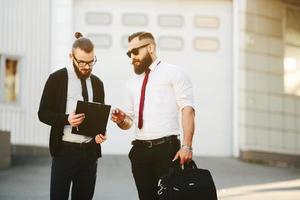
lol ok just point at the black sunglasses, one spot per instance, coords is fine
(83, 63)
(135, 51)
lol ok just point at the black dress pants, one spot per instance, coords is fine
(76, 165)
(149, 164)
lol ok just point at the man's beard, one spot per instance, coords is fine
(79, 74)
(144, 64)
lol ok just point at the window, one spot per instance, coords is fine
(206, 22)
(206, 44)
(292, 52)
(134, 19)
(9, 79)
(170, 21)
(102, 41)
(124, 41)
(98, 18)
(173, 43)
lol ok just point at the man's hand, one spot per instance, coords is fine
(76, 119)
(121, 119)
(184, 154)
(100, 138)
(117, 116)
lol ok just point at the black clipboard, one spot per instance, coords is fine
(96, 117)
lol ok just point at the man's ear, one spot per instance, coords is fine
(151, 48)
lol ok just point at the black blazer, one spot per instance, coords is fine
(52, 110)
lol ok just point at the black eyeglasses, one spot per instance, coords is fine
(84, 63)
(135, 51)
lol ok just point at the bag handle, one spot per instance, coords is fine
(176, 167)
(190, 165)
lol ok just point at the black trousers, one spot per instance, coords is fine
(149, 164)
(76, 165)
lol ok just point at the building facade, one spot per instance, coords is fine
(234, 51)
(269, 104)
(25, 39)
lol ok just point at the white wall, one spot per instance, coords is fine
(25, 32)
(41, 32)
(62, 35)
(210, 71)
(268, 117)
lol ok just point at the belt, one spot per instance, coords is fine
(155, 142)
(79, 145)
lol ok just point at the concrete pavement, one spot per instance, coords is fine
(28, 179)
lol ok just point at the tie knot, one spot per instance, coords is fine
(147, 71)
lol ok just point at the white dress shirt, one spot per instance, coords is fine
(168, 91)
(73, 95)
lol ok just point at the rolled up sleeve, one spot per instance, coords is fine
(183, 89)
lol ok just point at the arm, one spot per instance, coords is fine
(188, 124)
(184, 97)
(48, 111)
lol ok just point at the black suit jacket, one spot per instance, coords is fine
(52, 110)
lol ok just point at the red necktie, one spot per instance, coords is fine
(142, 99)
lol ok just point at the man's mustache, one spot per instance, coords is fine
(135, 60)
(86, 70)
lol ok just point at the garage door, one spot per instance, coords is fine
(196, 35)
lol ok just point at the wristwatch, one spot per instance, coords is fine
(187, 147)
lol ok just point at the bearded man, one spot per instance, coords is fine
(156, 95)
(74, 156)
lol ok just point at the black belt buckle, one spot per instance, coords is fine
(161, 141)
(150, 144)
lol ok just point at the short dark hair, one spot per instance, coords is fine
(82, 43)
(141, 35)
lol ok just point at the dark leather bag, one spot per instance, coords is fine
(187, 183)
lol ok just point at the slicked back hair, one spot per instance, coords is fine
(141, 35)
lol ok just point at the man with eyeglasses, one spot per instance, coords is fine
(74, 156)
(156, 95)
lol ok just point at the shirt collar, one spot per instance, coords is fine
(152, 67)
(154, 64)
